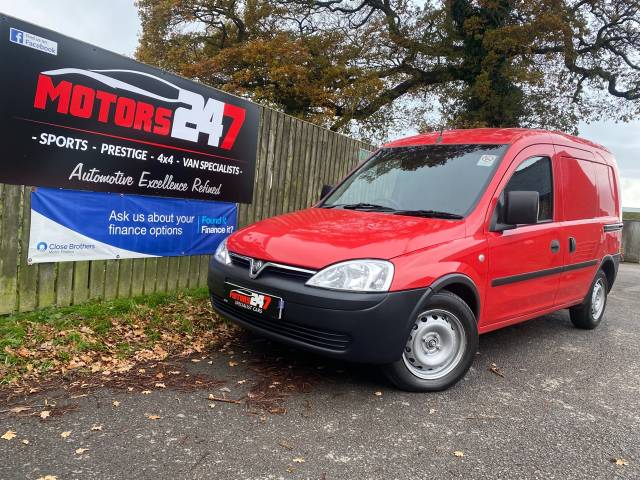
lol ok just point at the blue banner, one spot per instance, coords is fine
(70, 225)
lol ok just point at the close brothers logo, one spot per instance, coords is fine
(199, 115)
(41, 247)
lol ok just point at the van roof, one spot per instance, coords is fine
(489, 135)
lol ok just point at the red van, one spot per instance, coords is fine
(433, 240)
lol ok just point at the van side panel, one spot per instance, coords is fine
(582, 236)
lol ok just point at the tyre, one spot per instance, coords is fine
(589, 314)
(441, 346)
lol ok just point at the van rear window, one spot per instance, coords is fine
(444, 178)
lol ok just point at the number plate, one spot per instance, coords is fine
(253, 301)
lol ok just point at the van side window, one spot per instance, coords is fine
(534, 174)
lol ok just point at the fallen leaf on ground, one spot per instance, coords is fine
(96, 428)
(620, 461)
(242, 382)
(233, 364)
(65, 434)
(115, 403)
(225, 389)
(195, 360)
(80, 451)
(175, 372)
(19, 409)
(45, 414)
(298, 460)
(160, 385)
(9, 435)
(48, 477)
(495, 370)
(377, 394)
(25, 441)
(458, 453)
(432, 411)
(146, 392)
(286, 445)
(212, 405)
(23, 352)
(153, 417)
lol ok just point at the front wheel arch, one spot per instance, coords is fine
(460, 285)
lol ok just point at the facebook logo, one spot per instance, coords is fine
(16, 36)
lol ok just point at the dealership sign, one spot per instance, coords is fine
(76, 116)
(103, 226)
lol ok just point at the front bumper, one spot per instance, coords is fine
(358, 327)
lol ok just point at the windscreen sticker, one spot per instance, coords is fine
(486, 160)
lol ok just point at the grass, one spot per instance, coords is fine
(631, 215)
(101, 335)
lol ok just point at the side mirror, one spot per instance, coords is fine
(326, 190)
(521, 207)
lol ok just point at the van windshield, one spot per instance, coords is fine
(431, 180)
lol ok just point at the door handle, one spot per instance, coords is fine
(572, 244)
(555, 246)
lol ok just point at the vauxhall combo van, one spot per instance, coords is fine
(432, 241)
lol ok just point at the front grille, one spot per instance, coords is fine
(275, 269)
(311, 336)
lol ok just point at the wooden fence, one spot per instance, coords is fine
(295, 158)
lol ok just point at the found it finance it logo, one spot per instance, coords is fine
(256, 302)
(185, 115)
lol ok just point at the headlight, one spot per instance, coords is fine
(355, 276)
(222, 254)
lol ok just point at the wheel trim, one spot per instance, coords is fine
(598, 296)
(436, 344)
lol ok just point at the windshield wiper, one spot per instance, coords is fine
(429, 214)
(364, 206)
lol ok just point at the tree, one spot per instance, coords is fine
(366, 66)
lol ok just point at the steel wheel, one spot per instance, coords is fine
(598, 299)
(436, 344)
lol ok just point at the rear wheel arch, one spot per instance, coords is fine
(608, 266)
(462, 286)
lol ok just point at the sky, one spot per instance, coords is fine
(114, 25)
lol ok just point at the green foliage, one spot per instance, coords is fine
(450, 63)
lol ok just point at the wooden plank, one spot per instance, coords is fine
(150, 271)
(298, 167)
(194, 272)
(183, 273)
(172, 274)
(80, 282)
(204, 270)
(286, 181)
(277, 120)
(280, 146)
(46, 284)
(96, 279)
(161, 274)
(64, 284)
(111, 274)
(125, 272)
(27, 274)
(137, 277)
(9, 245)
(313, 194)
(305, 164)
